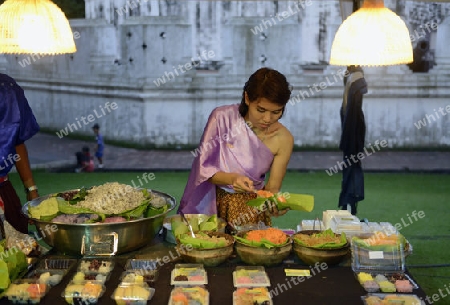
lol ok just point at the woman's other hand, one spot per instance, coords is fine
(272, 209)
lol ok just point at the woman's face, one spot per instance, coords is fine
(262, 113)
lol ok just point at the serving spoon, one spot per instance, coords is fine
(188, 224)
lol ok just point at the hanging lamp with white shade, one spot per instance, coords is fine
(372, 36)
(34, 27)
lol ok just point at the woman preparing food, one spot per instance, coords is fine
(240, 144)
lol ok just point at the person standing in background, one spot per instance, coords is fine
(17, 124)
(352, 138)
(100, 145)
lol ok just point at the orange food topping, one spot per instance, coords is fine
(264, 193)
(273, 235)
(180, 297)
(281, 198)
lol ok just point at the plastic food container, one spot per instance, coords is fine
(381, 270)
(311, 224)
(56, 264)
(86, 292)
(51, 277)
(189, 295)
(377, 298)
(80, 276)
(139, 276)
(256, 295)
(26, 291)
(133, 294)
(96, 265)
(189, 274)
(251, 276)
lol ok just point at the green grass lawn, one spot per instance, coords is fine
(389, 197)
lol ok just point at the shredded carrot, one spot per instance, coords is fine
(273, 235)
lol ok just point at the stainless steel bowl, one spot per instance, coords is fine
(99, 238)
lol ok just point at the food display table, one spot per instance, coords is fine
(332, 285)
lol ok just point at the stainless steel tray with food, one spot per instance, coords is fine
(132, 232)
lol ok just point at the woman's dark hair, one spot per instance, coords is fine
(266, 83)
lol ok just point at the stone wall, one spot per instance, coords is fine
(164, 72)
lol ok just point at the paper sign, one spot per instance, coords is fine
(297, 272)
(376, 255)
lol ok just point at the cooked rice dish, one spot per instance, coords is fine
(317, 239)
(112, 198)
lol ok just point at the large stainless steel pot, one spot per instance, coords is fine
(99, 238)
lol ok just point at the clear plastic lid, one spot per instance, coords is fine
(375, 257)
(255, 295)
(26, 291)
(187, 295)
(51, 277)
(136, 294)
(142, 264)
(250, 276)
(139, 276)
(311, 224)
(100, 265)
(185, 266)
(395, 281)
(189, 274)
(56, 263)
(86, 292)
(391, 298)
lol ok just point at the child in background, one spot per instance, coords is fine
(85, 162)
(99, 145)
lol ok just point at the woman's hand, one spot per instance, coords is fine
(242, 184)
(272, 209)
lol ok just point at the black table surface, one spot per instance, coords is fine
(332, 285)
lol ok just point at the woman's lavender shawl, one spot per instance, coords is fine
(227, 145)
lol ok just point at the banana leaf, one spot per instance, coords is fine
(199, 242)
(325, 245)
(4, 275)
(49, 218)
(179, 228)
(66, 208)
(209, 225)
(136, 212)
(152, 211)
(47, 207)
(82, 193)
(298, 202)
(263, 243)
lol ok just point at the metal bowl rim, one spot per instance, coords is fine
(38, 200)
